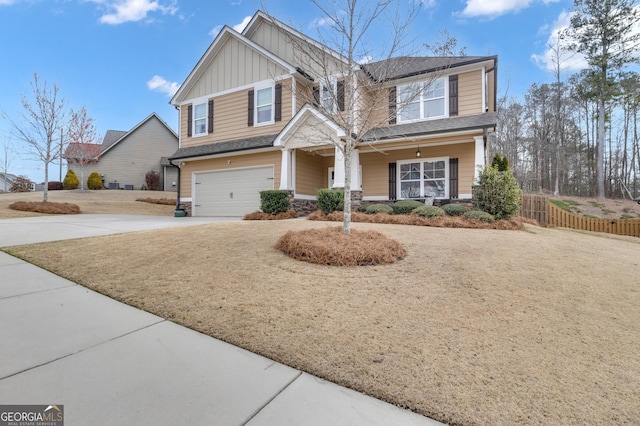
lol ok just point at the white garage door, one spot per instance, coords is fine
(230, 192)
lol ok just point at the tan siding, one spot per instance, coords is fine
(129, 161)
(311, 173)
(470, 93)
(375, 166)
(491, 87)
(235, 65)
(224, 163)
(230, 118)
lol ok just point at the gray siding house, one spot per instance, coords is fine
(126, 157)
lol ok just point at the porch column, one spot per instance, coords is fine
(338, 169)
(286, 171)
(356, 185)
(479, 159)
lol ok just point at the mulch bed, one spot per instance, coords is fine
(45, 207)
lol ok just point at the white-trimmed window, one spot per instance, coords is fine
(419, 101)
(423, 178)
(264, 105)
(327, 93)
(200, 119)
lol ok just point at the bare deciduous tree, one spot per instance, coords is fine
(82, 149)
(43, 118)
(349, 81)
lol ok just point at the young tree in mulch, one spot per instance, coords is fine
(330, 246)
(152, 178)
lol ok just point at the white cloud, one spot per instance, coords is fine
(159, 84)
(7, 2)
(238, 27)
(556, 50)
(133, 10)
(495, 8)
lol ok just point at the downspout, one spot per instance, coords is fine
(177, 183)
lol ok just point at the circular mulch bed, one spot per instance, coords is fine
(330, 246)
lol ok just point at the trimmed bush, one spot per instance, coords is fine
(375, 208)
(479, 215)
(152, 178)
(497, 193)
(94, 181)
(330, 200)
(405, 206)
(274, 201)
(500, 163)
(454, 209)
(54, 186)
(428, 211)
(70, 180)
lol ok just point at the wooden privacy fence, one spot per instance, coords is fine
(535, 207)
(539, 208)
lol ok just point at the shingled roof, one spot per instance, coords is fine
(428, 127)
(245, 144)
(111, 137)
(407, 66)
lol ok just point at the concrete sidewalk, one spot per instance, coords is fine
(109, 363)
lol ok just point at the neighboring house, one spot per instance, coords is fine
(246, 124)
(124, 158)
(6, 180)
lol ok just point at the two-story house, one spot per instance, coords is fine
(267, 109)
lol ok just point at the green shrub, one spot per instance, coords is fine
(94, 181)
(405, 206)
(497, 193)
(70, 180)
(428, 211)
(330, 200)
(454, 209)
(274, 201)
(500, 163)
(479, 215)
(375, 208)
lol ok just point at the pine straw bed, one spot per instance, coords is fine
(473, 326)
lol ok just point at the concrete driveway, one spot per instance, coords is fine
(108, 363)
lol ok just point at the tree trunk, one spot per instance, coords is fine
(600, 146)
(348, 151)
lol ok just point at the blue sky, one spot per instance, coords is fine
(122, 59)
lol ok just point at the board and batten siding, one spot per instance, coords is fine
(230, 118)
(235, 65)
(375, 166)
(271, 158)
(128, 161)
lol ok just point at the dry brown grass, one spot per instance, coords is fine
(92, 202)
(163, 201)
(332, 247)
(47, 208)
(473, 326)
(289, 214)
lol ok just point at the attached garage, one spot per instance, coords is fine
(230, 192)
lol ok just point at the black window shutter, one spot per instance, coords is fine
(453, 178)
(190, 120)
(340, 94)
(316, 96)
(250, 109)
(392, 106)
(392, 182)
(210, 113)
(453, 95)
(278, 111)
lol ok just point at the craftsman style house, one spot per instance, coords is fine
(270, 108)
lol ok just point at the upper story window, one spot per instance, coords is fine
(264, 105)
(200, 119)
(419, 101)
